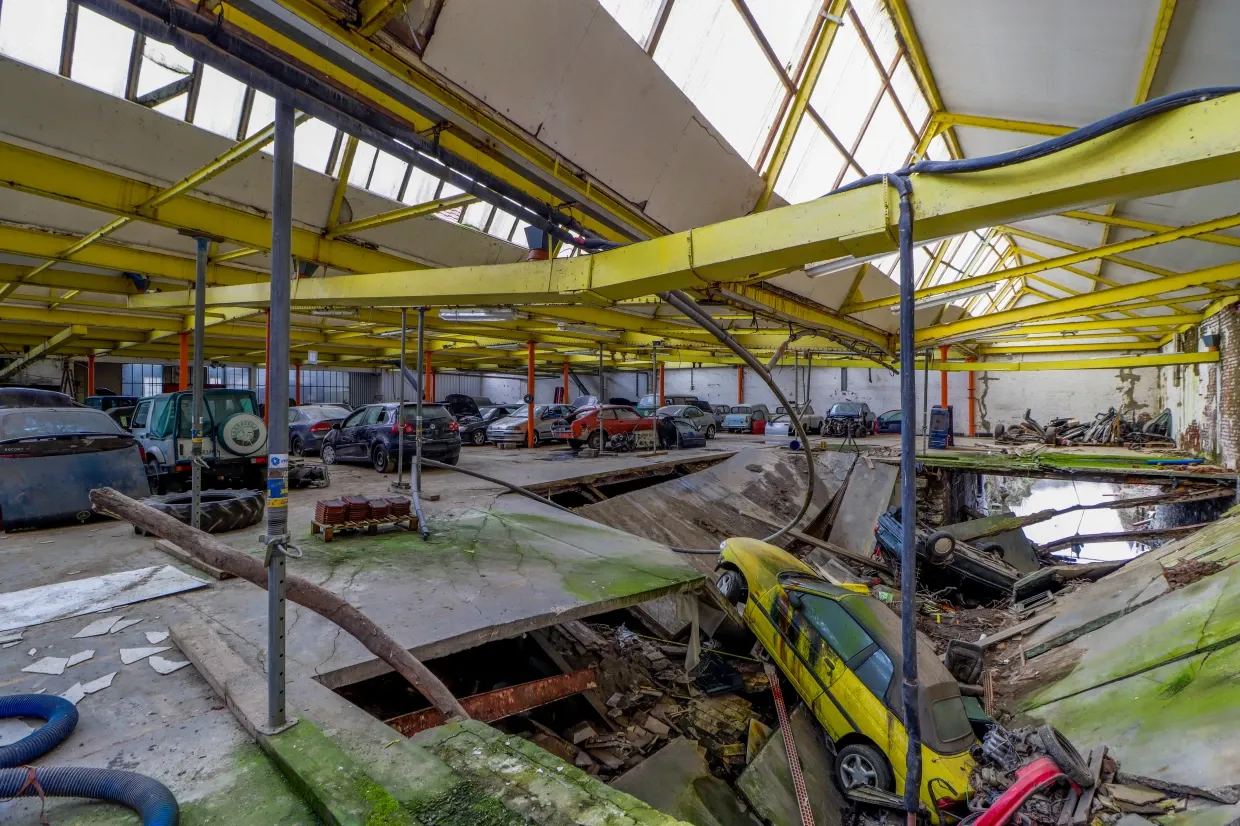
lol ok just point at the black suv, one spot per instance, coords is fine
(370, 434)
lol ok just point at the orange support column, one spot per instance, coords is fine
(662, 384)
(943, 378)
(183, 377)
(297, 369)
(90, 375)
(740, 384)
(972, 400)
(529, 384)
(565, 400)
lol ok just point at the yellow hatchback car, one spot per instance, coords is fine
(841, 650)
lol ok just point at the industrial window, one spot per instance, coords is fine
(31, 31)
(142, 379)
(234, 378)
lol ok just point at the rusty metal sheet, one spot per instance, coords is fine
(503, 702)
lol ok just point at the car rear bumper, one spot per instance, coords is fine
(506, 437)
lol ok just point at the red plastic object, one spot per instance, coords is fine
(1029, 779)
(759, 428)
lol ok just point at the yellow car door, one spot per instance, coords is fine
(784, 634)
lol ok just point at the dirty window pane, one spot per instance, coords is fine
(847, 86)
(502, 224)
(389, 172)
(262, 113)
(140, 415)
(161, 64)
(812, 165)
(30, 31)
(879, 26)
(887, 141)
(635, 16)
(951, 721)
(312, 143)
(421, 188)
(33, 422)
(101, 53)
(219, 103)
(909, 93)
(875, 673)
(843, 633)
(707, 50)
(359, 173)
(786, 25)
(174, 108)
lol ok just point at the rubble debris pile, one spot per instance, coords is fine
(1109, 428)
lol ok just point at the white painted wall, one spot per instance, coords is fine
(1193, 392)
(1002, 396)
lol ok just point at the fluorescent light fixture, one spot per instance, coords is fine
(513, 345)
(328, 312)
(480, 314)
(579, 352)
(947, 298)
(565, 327)
(840, 264)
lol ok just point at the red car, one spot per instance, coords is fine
(584, 427)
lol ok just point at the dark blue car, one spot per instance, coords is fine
(309, 424)
(370, 434)
(52, 457)
(889, 422)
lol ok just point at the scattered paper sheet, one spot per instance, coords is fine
(165, 666)
(78, 597)
(123, 624)
(99, 684)
(74, 694)
(98, 628)
(132, 655)
(80, 657)
(156, 637)
(48, 665)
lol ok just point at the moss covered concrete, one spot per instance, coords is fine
(534, 783)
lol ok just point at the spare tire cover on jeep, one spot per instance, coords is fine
(242, 434)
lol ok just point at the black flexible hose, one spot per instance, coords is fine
(60, 714)
(149, 798)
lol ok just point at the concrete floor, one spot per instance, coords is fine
(495, 561)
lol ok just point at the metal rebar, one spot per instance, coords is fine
(400, 410)
(277, 409)
(925, 402)
(195, 434)
(417, 427)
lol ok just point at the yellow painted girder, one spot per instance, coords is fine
(1108, 251)
(1107, 324)
(50, 346)
(1189, 147)
(1067, 346)
(52, 177)
(1049, 130)
(1109, 363)
(1076, 304)
(1146, 226)
(383, 219)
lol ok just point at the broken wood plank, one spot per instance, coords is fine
(820, 543)
(1229, 795)
(1119, 536)
(176, 552)
(1017, 522)
(1080, 815)
(1015, 630)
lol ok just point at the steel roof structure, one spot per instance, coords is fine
(699, 135)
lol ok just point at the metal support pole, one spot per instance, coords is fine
(400, 409)
(602, 388)
(662, 384)
(417, 416)
(809, 372)
(90, 374)
(565, 400)
(277, 407)
(796, 377)
(925, 402)
(908, 508)
(195, 433)
(654, 372)
(972, 399)
(297, 374)
(529, 385)
(740, 384)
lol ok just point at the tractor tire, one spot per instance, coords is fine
(222, 510)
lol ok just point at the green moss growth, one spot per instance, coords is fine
(1178, 683)
(467, 804)
(383, 809)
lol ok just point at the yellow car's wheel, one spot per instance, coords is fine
(858, 764)
(732, 585)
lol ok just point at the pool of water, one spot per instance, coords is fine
(1056, 494)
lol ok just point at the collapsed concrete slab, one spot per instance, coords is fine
(676, 781)
(867, 497)
(767, 783)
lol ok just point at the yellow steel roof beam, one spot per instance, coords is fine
(44, 350)
(27, 170)
(1189, 147)
(1146, 226)
(383, 219)
(1049, 130)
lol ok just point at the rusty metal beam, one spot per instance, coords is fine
(503, 702)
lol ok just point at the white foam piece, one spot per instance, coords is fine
(80, 657)
(165, 666)
(99, 684)
(132, 655)
(156, 637)
(98, 628)
(48, 665)
(123, 624)
(75, 598)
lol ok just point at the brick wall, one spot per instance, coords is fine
(1205, 398)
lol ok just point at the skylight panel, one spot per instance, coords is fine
(31, 31)
(220, 99)
(812, 166)
(101, 54)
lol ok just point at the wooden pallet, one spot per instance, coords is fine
(371, 526)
